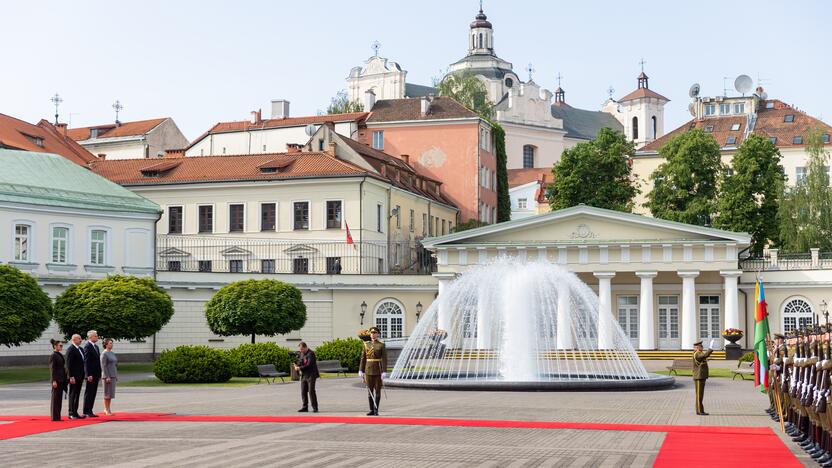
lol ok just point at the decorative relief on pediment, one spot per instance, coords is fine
(583, 232)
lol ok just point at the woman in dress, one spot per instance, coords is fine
(109, 372)
(57, 375)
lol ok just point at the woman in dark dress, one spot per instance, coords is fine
(57, 372)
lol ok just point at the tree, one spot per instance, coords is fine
(685, 185)
(256, 307)
(341, 104)
(118, 307)
(470, 224)
(25, 310)
(503, 199)
(596, 173)
(749, 198)
(468, 90)
(805, 216)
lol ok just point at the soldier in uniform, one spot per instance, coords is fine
(700, 374)
(777, 358)
(373, 369)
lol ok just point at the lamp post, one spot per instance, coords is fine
(418, 310)
(363, 311)
(825, 312)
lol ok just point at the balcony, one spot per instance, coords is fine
(208, 254)
(774, 260)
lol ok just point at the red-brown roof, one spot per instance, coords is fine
(395, 110)
(543, 177)
(770, 123)
(17, 134)
(138, 127)
(643, 93)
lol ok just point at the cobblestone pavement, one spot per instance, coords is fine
(731, 403)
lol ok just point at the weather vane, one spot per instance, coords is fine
(531, 70)
(642, 62)
(559, 77)
(57, 100)
(118, 107)
(610, 91)
(376, 45)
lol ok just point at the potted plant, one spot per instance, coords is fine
(364, 335)
(732, 334)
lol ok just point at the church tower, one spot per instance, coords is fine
(641, 113)
(481, 40)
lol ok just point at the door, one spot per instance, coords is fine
(628, 317)
(709, 323)
(669, 322)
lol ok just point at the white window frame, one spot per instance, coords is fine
(167, 215)
(68, 256)
(796, 317)
(108, 241)
(725, 109)
(398, 217)
(800, 174)
(630, 311)
(710, 109)
(292, 214)
(228, 216)
(30, 249)
(425, 225)
(343, 214)
(522, 203)
(213, 218)
(388, 317)
(276, 215)
(380, 217)
(378, 139)
(712, 332)
(412, 219)
(739, 107)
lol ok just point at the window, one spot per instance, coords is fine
(204, 266)
(300, 266)
(528, 156)
(398, 217)
(709, 326)
(206, 218)
(798, 140)
(480, 42)
(628, 315)
(236, 217)
(301, 216)
(174, 265)
(725, 109)
(655, 127)
(710, 109)
(320, 144)
(235, 266)
(430, 227)
(378, 217)
(389, 319)
(424, 224)
(773, 140)
(333, 265)
(797, 314)
(509, 82)
(635, 128)
(333, 214)
(444, 226)
(485, 139)
(709, 128)
(521, 203)
(732, 140)
(788, 118)
(268, 217)
(98, 242)
(412, 220)
(93, 133)
(267, 266)
(175, 220)
(223, 150)
(60, 239)
(264, 148)
(799, 174)
(770, 105)
(735, 127)
(668, 317)
(378, 139)
(739, 108)
(35, 139)
(825, 138)
(22, 242)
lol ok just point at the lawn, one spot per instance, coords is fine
(16, 375)
(715, 372)
(234, 382)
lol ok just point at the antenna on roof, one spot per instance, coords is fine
(531, 70)
(642, 62)
(725, 86)
(694, 90)
(376, 45)
(57, 100)
(611, 91)
(118, 107)
(310, 130)
(743, 84)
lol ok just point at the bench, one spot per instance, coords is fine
(268, 371)
(680, 364)
(743, 369)
(332, 366)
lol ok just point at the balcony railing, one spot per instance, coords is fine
(244, 255)
(774, 260)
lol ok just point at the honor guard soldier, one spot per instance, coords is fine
(777, 359)
(373, 369)
(700, 374)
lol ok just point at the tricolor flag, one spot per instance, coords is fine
(349, 236)
(760, 333)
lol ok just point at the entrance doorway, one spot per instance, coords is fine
(669, 322)
(628, 317)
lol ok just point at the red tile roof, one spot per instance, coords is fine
(17, 134)
(139, 127)
(642, 93)
(770, 123)
(518, 177)
(395, 110)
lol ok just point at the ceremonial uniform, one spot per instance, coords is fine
(700, 375)
(373, 366)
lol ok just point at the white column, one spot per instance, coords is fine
(565, 340)
(688, 322)
(605, 325)
(732, 305)
(443, 315)
(646, 318)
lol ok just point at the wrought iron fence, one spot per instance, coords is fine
(244, 255)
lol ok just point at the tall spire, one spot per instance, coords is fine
(480, 40)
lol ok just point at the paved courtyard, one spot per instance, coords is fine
(206, 444)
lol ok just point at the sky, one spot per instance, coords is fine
(202, 62)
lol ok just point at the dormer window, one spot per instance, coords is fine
(710, 109)
(35, 139)
(93, 133)
(798, 140)
(769, 105)
(268, 170)
(788, 118)
(739, 108)
(732, 140)
(148, 173)
(735, 127)
(825, 138)
(773, 140)
(709, 129)
(725, 109)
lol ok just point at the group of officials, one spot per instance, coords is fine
(799, 384)
(78, 366)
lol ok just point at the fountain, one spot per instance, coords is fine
(511, 325)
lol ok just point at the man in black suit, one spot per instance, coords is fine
(307, 365)
(75, 372)
(92, 367)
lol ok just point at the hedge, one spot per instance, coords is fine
(345, 350)
(246, 357)
(193, 364)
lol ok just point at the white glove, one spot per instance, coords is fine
(711, 344)
(384, 376)
(361, 374)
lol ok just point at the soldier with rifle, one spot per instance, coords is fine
(777, 357)
(822, 454)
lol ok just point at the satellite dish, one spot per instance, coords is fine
(310, 130)
(694, 90)
(743, 84)
(692, 109)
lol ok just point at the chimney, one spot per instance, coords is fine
(369, 100)
(425, 103)
(406, 158)
(62, 128)
(331, 148)
(293, 147)
(102, 156)
(256, 116)
(280, 108)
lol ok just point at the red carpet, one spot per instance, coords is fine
(710, 446)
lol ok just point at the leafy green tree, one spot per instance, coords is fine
(467, 89)
(596, 173)
(25, 310)
(118, 307)
(685, 185)
(470, 224)
(503, 199)
(341, 104)
(256, 307)
(805, 215)
(750, 197)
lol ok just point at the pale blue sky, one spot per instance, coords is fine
(201, 62)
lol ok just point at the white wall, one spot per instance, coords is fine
(527, 191)
(253, 142)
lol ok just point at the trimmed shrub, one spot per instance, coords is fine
(747, 357)
(246, 357)
(25, 310)
(193, 364)
(346, 350)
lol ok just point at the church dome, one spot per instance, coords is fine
(480, 21)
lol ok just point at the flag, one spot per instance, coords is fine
(760, 333)
(349, 236)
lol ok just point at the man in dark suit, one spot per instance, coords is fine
(75, 372)
(307, 365)
(92, 367)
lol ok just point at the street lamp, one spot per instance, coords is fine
(823, 309)
(363, 311)
(418, 310)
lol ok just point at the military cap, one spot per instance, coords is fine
(698, 343)
(374, 330)
(779, 336)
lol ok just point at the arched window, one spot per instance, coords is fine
(528, 156)
(389, 316)
(635, 128)
(480, 40)
(654, 126)
(797, 314)
(473, 41)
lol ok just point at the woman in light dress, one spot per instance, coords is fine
(109, 373)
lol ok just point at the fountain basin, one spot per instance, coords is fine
(556, 383)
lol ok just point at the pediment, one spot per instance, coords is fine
(173, 252)
(301, 250)
(235, 252)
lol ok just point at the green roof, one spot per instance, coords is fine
(52, 180)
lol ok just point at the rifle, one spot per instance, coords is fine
(809, 387)
(797, 367)
(823, 393)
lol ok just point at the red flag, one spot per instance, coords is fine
(349, 236)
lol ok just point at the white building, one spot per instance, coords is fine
(131, 140)
(527, 191)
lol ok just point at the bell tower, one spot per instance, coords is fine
(481, 35)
